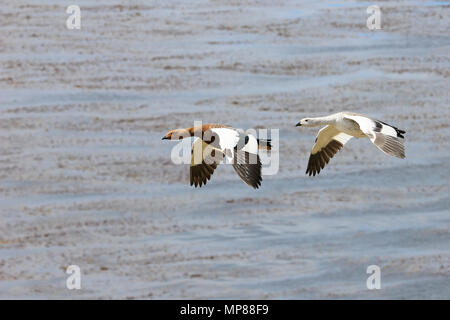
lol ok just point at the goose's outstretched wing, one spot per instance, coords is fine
(387, 138)
(329, 141)
(241, 150)
(246, 161)
(204, 161)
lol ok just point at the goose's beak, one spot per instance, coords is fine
(298, 124)
(165, 138)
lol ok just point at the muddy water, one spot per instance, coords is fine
(85, 178)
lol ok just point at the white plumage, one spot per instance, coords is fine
(341, 127)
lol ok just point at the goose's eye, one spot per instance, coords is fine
(306, 120)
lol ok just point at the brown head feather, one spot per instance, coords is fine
(179, 134)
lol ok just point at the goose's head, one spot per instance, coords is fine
(177, 134)
(307, 122)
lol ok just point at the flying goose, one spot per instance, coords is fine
(341, 127)
(212, 143)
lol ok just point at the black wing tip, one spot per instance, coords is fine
(312, 172)
(256, 185)
(249, 172)
(320, 159)
(253, 181)
(198, 184)
(400, 133)
(200, 174)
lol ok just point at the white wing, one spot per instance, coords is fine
(251, 144)
(224, 139)
(329, 141)
(387, 138)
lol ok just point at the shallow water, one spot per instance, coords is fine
(85, 178)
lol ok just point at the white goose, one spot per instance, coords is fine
(341, 127)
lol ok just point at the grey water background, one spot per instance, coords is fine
(85, 178)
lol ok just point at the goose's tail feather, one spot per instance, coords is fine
(400, 132)
(264, 144)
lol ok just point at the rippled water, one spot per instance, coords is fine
(85, 178)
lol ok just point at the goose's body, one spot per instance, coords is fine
(213, 143)
(341, 127)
